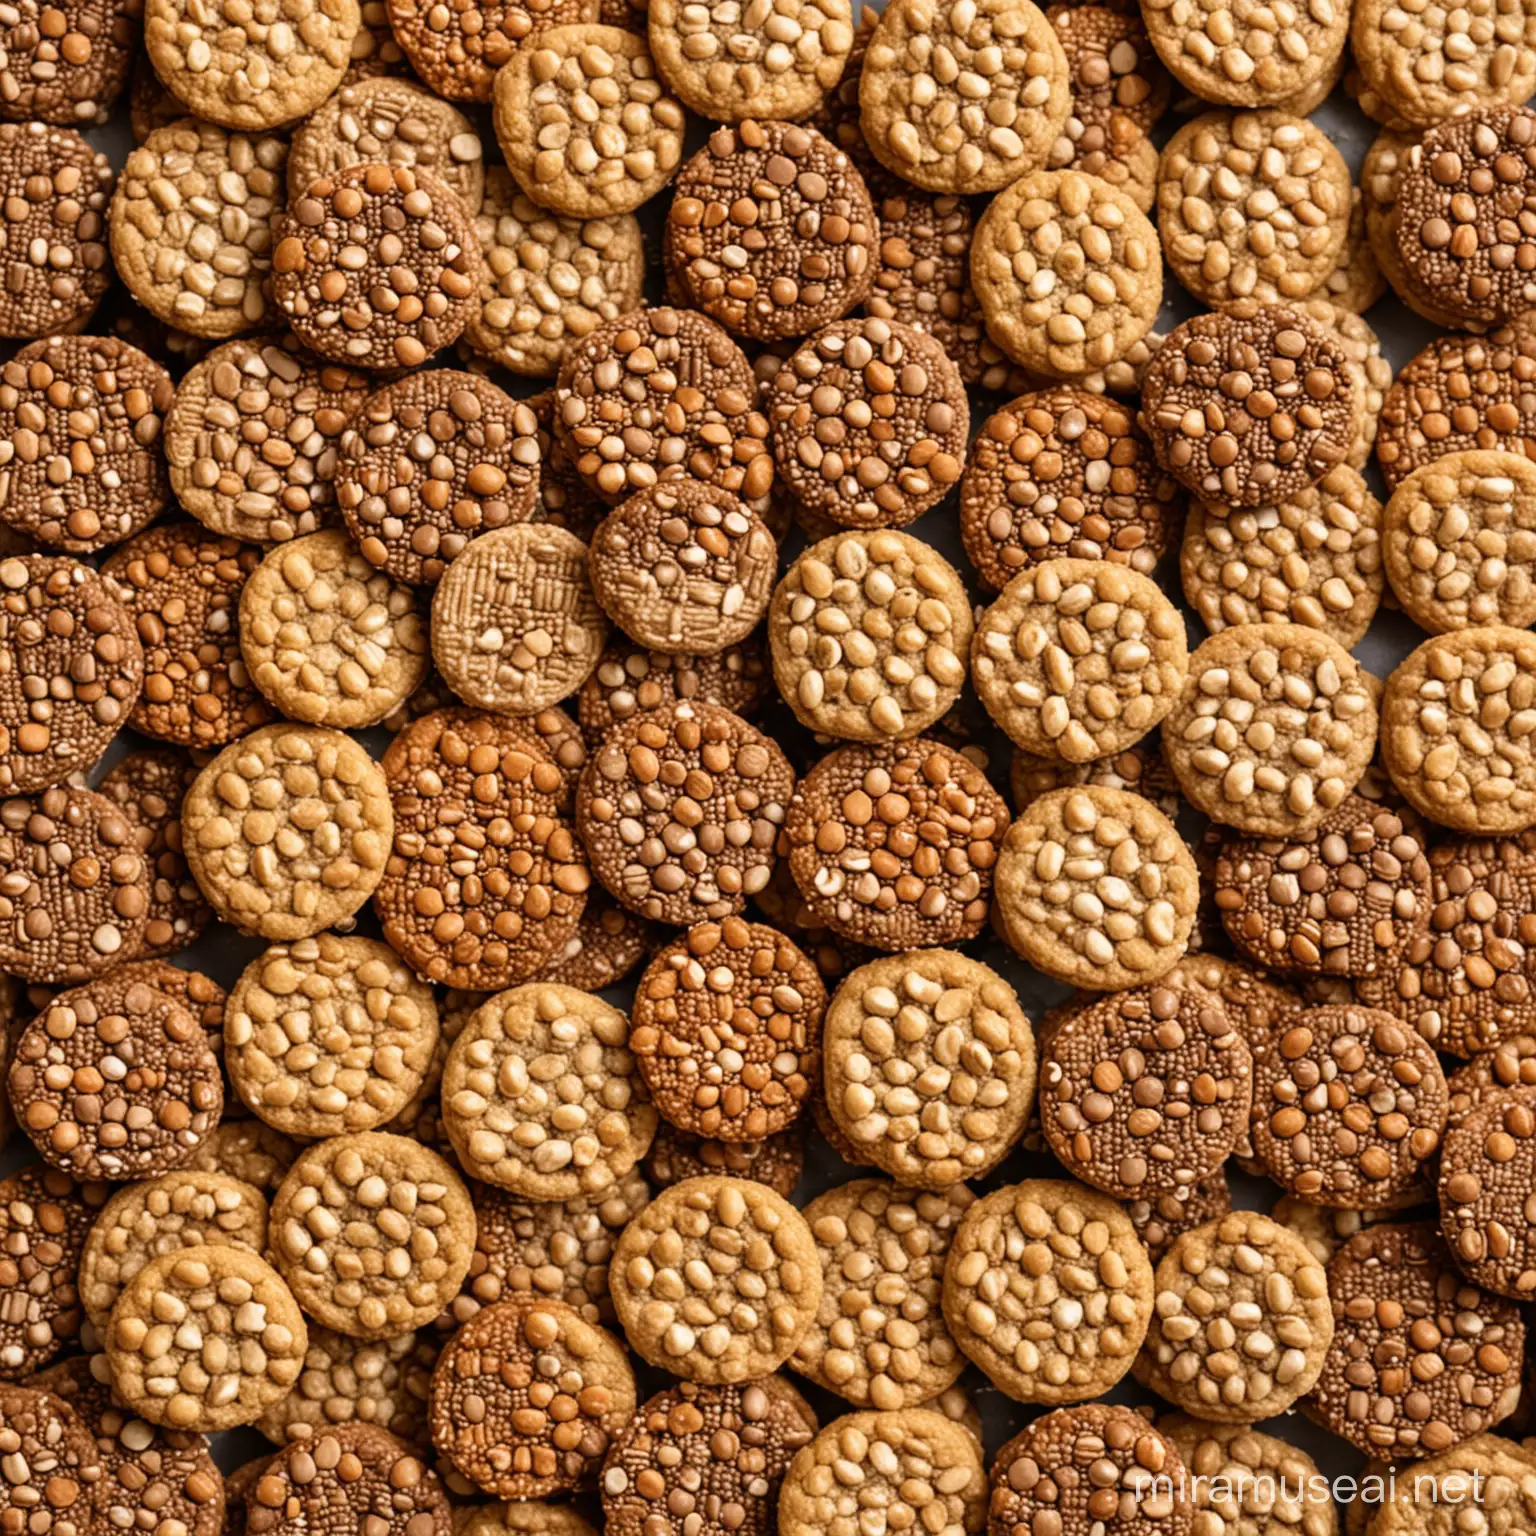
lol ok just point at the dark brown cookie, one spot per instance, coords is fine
(458, 49)
(680, 810)
(605, 948)
(200, 995)
(148, 788)
(894, 846)
(772, 230)
(565, 499)
(182, 585)
(775, 1161)
(67, 63)
(629, 680)
(1511, 1064)
(1161, 1219)
(1250, 405)
(486, 879)
(71, 669)
(923, 270)
(56, 1469)
(74, 888)
(1421, 1358)
(1348, 1105)
(1147, 1090)
(80, 439)
(1487, 1209)
(430, 462)
(658, 394)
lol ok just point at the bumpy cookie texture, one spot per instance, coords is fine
(528, 1397)
(1251, 405)
(546, 1137)
(1249, 1482)
(1486, 1176)
(1049, 1290)
(57, 1467)
(924, 274)
(1242, 1321)
(630, 680)
(205, 1338)
(1068, 272)
(199, 258)
(1313, 558)
(776, 1161)
(287, 831)
(1275, 726)
(527, 1517)
(249, 1150)
(586, 122)
(1078, 659)
(1140, 770)
(458, 48)
(1500, 1472)
(930, 1067)
(147, 1221)
(328, 1035)
(1460, 541)
(66, 64)
(72, 670)
(548, 281)
(1161, 1220)
(607, 945)
(1509, 1065)
(869, 634)
(1096, 887)
(381, 1382)
(1456, 728)
(924, 119)
(658, 394)
(373, 1232)
(1421, 1358)
(1348, 1105)
(1064, 472)
(894, 846)
(486, 879)
(705, 1460)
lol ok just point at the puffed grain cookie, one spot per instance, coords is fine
(67, 64)
(776, 1161)
(1485, 1193)
(607, 945)
(1162, 1219)
(458, 51)
(499, 1113)
(1049, 1290)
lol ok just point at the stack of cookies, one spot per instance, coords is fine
(524, 526)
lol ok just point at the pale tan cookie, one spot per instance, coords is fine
(509, 1129)
(205, 1338)
(963, 97)
(1486, 1481)
(1049, 1290)
(1252, 205)
(329, 639)
(1141, 770)
(1068, 272)
(1357, 282)
(1078, 659)
(328, 1035)
(248, 1150)
(373, 1232)
(1245, 1483)
(930, 1066)
(717, 1280)
(1324, 1229)
(586, 123)
(1276, 724)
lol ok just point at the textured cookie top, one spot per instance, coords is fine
(57, 1491)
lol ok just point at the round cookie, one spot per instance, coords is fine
(457, 50)
(1499, 1472)
(516, 626)
(705, 1461)
(1452, 729)
(146, 1221)
(548, 281)
(1078, 659)
(1313, 558)
(629, 680)
(930, 1067)
(328, 1035)
(1511, 1064)
(585, 121)
(506, 1126)
(486, 880)
(923, 271)
(1368, 367)
(1275, 726)
(71, 669)
(776, 1161)
(849, 624)
(1348, 1104)
(1357, 282)
(1244, 1483)
(1485, 1192)
(657, 394)
(527, 1517)
(67, 64)
(1049, 1290)
(1242, 1322)
(373, 1234)
(1162, 1219)
(680, 810)
(327, 638)
(527, 1397)
(725, 1028)
(192, 225)
(182, 585)
(1068, 272)
(56, 1467)
(683, 567)
(1421, 1358)
(1252, 205)
(893, 846)
(205, 1338)
(608, 944)
(287, 831)
(1139, 770)
(930, 125)
(717, 1280)
(1064, 472)
(248, 1150)
(1096, 887)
